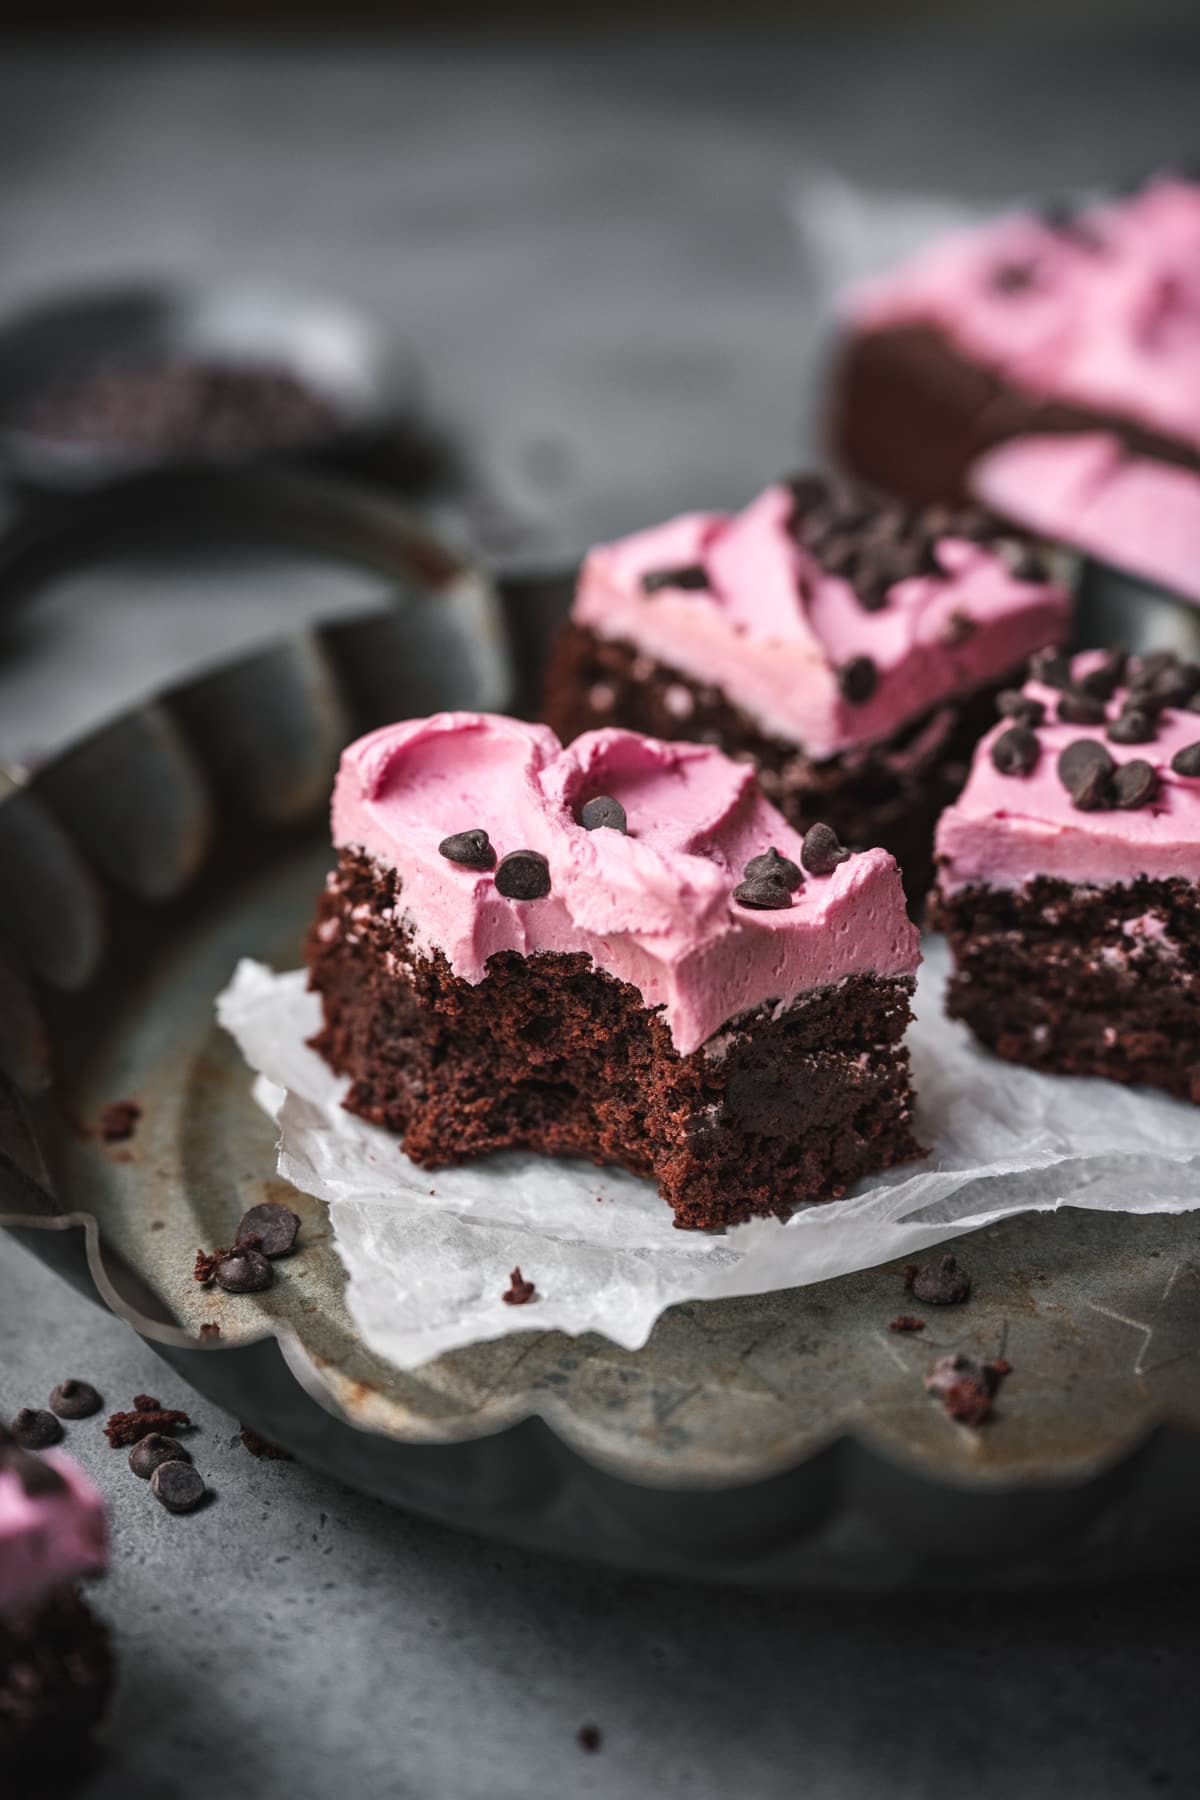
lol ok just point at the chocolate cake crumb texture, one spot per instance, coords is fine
(36, 1429)
(470, 849)
(942, 1283)
(519, 1291)
(178, 1486)
(771, 866)
(269, 1227)
(150, 1452)
(691, 575)
(75, 1400)
(603, 814)
(262, 1447)
(906, 1322)
(210, 1330)
(118, 1120)
(523, 875)
(147, 1415)
(822, 853)
(1016, 751)
(965, 1386)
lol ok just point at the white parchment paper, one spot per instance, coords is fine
(428, 1255)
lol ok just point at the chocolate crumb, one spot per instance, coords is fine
(1023, 709)
(1075, 708)
(150, 1452)
(178, 1485)
(906, 1322)
(1086, 769)
(204, 1269)
(471, 849)
(36, 1429)
(1135, 784)
(1016, 751)
(523, 875)
(1187, 761)
(858, 680)
(117, 1121)
(262, 1447)
(944, 1283)
(771, 866)
(690, 576)
(965, 1386)
(822, 852)
(603, 813)
(588, 1737)
(520, 1292)
(210, 1331)
(269, 1227)
(1133, 727)
(75, 1400)
(147, 1415)
(244, 1271)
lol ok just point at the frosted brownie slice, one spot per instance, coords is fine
(1068, 874)
(846, 646)
(617, 950)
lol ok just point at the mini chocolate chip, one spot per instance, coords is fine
(1135, 784)
(75, 1400)
(523, 875)
(822, 853)
(1133, 727)
(471, 849)
(1085, 769)
(1051, 668)
(1187, 760)
(763, 894)
(1080, 709)
(857, 679)
(1016, 751)
(35, 1429)
(1011, 703)
(245, 1271)
(943, 1283)
(178, 1485)
(770, 866)
(603, 813)
(692, 575)
(274, 1226)
(152, 1452)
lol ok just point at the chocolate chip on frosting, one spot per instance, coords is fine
(858, 679)
(1024, 709)
(1104, 680)
(471, 849)
(1016, 751)
(1135, 784)
(822, 853)
(770, 866)
(763, 894)
(1132, 727)
(603, 813)
(1187, 760)
(691, 575)
(1086, 770)
(1075, 708)
(1050, 667)
(523, 875)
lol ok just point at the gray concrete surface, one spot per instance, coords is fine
(590, 246)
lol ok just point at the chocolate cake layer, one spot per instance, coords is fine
(1081, 980)
(56, 1672)
(888, 793)
(551, 1054)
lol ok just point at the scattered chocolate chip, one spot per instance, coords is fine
(1176, 687)
(858, 679)
(770, 866)
(269, 1227)
(262, 1447)
(152, 1451)
(1187, 761)
(36, 1429)
(519, 1292)
(1132, 727)
(589, 1739)
(1086, 769)
(603, 814)
(1016, 751)
(691, 575)
(1135, 784)
(210, 1330)
(1051, 668)
(470, 849)
(1023, 709)
(906, 1322)
(147, 1415)
(965, 1386)
(763, 894)
(244, 1271)
(943, 1283)
(117, 1121)
(523, 875)
(822, 852)
(178, 1485)
(1075, 708)
(75, 1400)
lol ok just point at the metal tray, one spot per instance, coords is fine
(785, 1439)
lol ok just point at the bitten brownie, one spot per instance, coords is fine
(1069, 874)
(845, 646)
(55, 1663)
(618, 951)
(1049, 365)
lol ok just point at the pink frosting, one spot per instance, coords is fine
(1005, 830)
(773, 628)
(653, 907)
(1130, 511)
(1108, 319)
(50, 1538)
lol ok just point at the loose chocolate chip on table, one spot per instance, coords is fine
(471, 849)
(36, 1429)
(770, 866)
(1016, 751)
(692, 575)
(1135, 784)
(821, 853)
(1051, 668)
(244, 1271)
(858, 679)
(523, 875)
(75, 1400)
(941, 1283)
(762, 894)
(1187, 760)
(1075, 708)
(151, 1452)
(1133, 727)
(178, 1485)
(603, 813)
(1086, 769)
(272, 1227)
(1023, 709)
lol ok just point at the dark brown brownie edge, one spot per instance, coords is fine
(910, 413)
(887, 794)
(56, 1673)
(1047, 975)
(548, 1053)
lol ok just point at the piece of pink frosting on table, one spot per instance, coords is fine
(654, 907)
(50, 1536)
